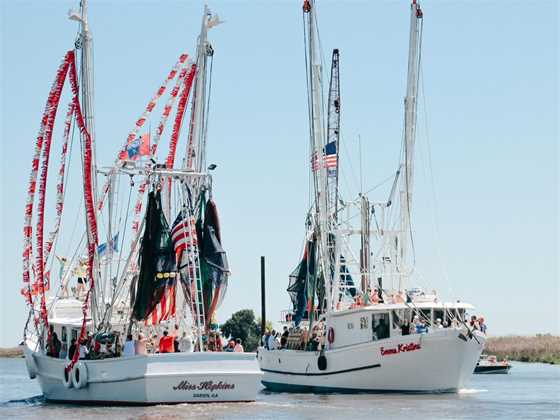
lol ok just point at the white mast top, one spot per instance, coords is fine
(198, 127)
(410, 106)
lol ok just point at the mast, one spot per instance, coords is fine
(365, 246)
(317, 143)
(332, 164)
(410, 106)
(85, 42)
(195, 158)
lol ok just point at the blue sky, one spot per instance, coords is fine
(490, 76)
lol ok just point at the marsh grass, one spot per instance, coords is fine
(543, 348)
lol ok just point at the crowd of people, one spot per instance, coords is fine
(295, 338)
(106, 345)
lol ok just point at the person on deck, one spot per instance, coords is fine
(272, 345)
(81, 273)
(140, 345)
(238, 347)
(304, 338)
(109, 351)
(72, 349)
(62, 262)
(166, 343)
(265, 340)
(482, 325)
(382, 330)
(414, 324)
(83, 350)
(421, 328)
(405, 327)
(438, 323)
(128, 350)
(230, 346)
(53, 347)
(284, 338)
(185, 343)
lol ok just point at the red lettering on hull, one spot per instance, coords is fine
(400, 349)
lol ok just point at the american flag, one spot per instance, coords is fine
(181, 231)
(329, 159)
(314, 161)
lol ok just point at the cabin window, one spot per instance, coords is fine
(399, 316)
(426, 315)
(74, 334)
(461, 314)
(63, 334)
(380, 325)
(438, 313)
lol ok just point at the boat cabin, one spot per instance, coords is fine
(382, 321)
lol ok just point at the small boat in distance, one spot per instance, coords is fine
(491, 365)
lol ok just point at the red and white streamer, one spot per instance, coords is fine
(60, 183)
(91, 221)
(48, 118)
(142, 119)
(179, 117)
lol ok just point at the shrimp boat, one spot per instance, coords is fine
(375, 334)
(135, 272)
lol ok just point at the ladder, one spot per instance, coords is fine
(195, 277)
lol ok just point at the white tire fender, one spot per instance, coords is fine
(79, 375)
(66, 378)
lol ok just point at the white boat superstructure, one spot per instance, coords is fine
(139, 279)
(355, 326)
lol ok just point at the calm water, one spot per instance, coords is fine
(530, 391)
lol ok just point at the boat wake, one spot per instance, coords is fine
(467, 391)
(27, 402)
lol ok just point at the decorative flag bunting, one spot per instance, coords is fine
(102, 249)
(60, 184)
(42, 153)
(42, 145)
(140, 146)
(142, 119)
(91, 221)
(179, 116)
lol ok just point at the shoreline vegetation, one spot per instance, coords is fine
(11, 351)
(542, 348)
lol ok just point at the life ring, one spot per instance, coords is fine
(31, 366)
(66, 378)
(79, 375)
(330, 335)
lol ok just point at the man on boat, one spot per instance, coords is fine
(62, 262)
(482, 325)
(140, 345)
(185, 343)
(53, 345)
(284, 338)
(72, 348)
(166, 343)
(128, 350)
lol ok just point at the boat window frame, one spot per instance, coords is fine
(387, 316)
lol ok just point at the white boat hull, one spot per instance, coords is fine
(437, 362)
(154, 379)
